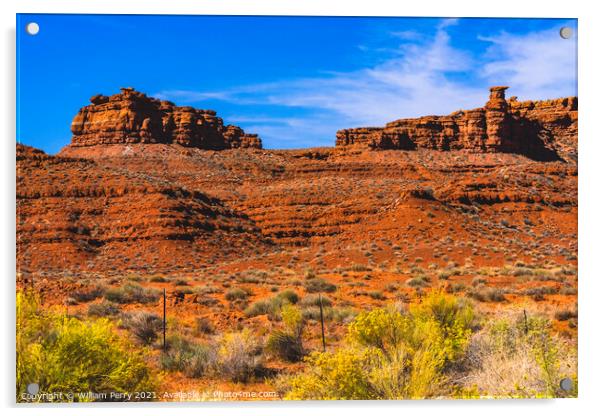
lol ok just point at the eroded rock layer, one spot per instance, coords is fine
(541, 130)
(75, 214)
(133, 117)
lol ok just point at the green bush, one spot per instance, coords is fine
(194, 360)
(392, 354)
(329, 313)
(272, 306)
(203, 325)
(319, 284)
(103, 309)
(64, 354)
(237, 294)
(314, 300)
(287, 343)
(342, 375)
(289, 295)
(132, 293)
(418, 281)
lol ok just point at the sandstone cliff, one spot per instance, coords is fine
(541, 130)
(133, 117)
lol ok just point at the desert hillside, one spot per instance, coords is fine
(480, 203)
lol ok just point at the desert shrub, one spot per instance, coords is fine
(319, 285)
(194, 360)
(329, 313)
(310, 273)
(289, 296)
(203, 325)
(287, 343)
(314, 300)
(568, 291)
(487, 294)
(261, 307)
(565, 315)
(157, 279)
(239, 356)
(103, 309)
(206, 289)
(517, 357)
(272, 306)
(65, 354)
(144, 326)
(237, 294)
(538, 293)
(418, 281)
(132, 293)
(342, 375)
(392, 354)
(377, 295)
(391, 287)
(88, 295)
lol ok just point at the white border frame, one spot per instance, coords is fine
(590, 177)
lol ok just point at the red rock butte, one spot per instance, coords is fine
(133, 117)
(541, 130)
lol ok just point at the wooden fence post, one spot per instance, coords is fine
(164, 318)
(322, 323)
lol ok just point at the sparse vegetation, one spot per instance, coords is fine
(103, 309)
(132, 293)
(66, 354)
(239, 356)
(144, 326)
(319, 285)
(194, 360)
(237, 294)
(288, 343)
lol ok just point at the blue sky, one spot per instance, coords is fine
(293, 80)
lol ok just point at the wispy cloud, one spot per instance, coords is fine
(424, 74)
(186, 96)
(537, 65)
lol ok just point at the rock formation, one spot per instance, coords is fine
(541, 130)
(133, 117)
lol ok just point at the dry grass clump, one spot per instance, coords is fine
(272, 306)
(103, 309)
(514, 357)
(487, 294)
(318, 284)
(86, 295)
(193, 359)
(438, 348)
(237, 294)
(132, 293)
(144, 326)
(203, 325)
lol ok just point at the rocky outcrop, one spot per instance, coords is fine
(541, 130)
(133, 117)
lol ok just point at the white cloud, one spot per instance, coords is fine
(185, 96)
(537, 65)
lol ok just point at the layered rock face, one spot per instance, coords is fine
(133, 117)
(76, 214)
(542, 130)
